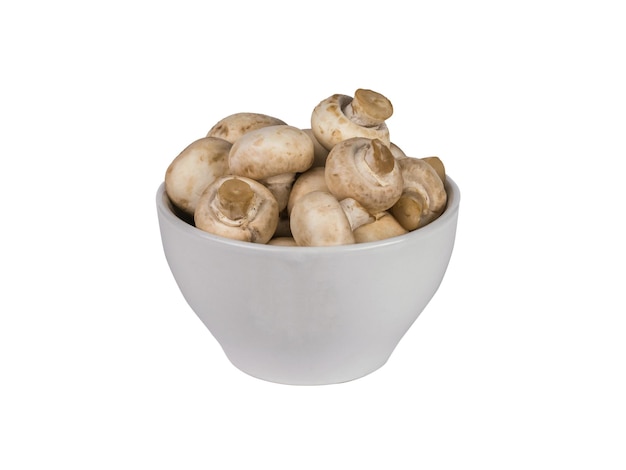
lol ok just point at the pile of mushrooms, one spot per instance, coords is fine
(255, 178)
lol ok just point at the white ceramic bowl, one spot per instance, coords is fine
(308, 315)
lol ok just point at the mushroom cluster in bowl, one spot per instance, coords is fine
(255, 178)
(238, 206)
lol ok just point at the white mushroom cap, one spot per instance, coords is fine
(385, 226)
(423, 197)
(271, 151)
(238, 208)
(314, 179)
(320, 153)
(341, 117)
(194, 169)
(234, 126)
(366, 171)
(317, 219)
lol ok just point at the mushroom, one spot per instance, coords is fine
(318, 219)
(314, 179)
(234, 126)
(396, 151)
(282, 241)
(438, 165)
(423, 196)
(320, 153)
(239, 208)
(384, 226)
(280, 186)
(366, 171)
(357, 214)
(197, 166)
(341, 117)
(272, 155)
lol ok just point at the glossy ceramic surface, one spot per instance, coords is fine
(308, 315)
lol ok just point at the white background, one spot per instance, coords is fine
(519, 360)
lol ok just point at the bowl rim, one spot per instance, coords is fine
(166, 210)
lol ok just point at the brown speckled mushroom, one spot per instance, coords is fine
(341, 117)
(320, 153)
(423, 196)
(384, 226)
(366, 171)
(438, 165)
(197, 166)
(272, 155)
(314, 179)
(238, 208)
(234, 126)
(356, 213)
(317, 219)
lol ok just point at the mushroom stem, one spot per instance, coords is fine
(238, 208)
(357, 215)
(368, 108)
(379, 158)
(280, 186)
(235, 198)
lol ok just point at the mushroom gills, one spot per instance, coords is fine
(238, 208)
(365, 170)
(342, 117)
